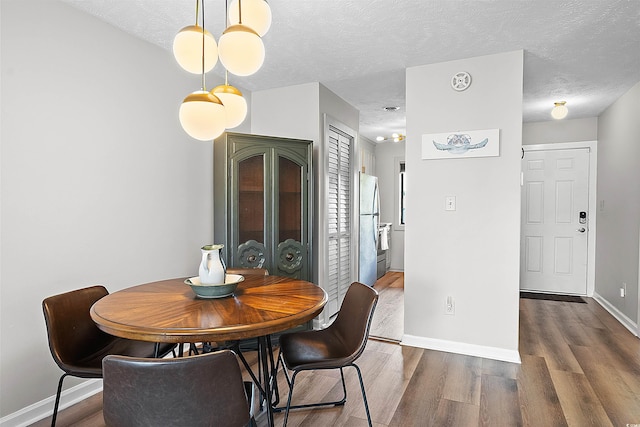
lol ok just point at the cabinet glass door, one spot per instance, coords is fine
(291, 254)
(251, 213)
(290, 200)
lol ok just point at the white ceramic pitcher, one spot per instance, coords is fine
(212, 269)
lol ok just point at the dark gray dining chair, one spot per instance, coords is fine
(336, 347)
(202, 390)
(77, 345)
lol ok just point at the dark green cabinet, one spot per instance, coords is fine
(263, 194)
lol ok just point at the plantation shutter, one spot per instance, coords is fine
(339, 218)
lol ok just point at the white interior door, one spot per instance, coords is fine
(555, 221)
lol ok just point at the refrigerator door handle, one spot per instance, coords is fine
(376, 211)
(376, 231)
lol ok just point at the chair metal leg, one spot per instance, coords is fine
(290, 381)
(55, 406)
(288, 407)
(364, 394)
(341, 402)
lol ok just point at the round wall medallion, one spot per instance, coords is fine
(460, 81)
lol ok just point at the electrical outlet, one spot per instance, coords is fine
(623, 290)
(450, 306)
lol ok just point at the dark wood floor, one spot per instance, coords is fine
(580, 367)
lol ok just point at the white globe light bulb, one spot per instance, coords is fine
(202, 116)
(187, 49)
(241, 50)
(235, 105)
(256, 14)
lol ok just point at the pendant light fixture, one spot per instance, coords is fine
(256, 14)
(234, 104)
(202, 114)
(560, 110)
(188, 47)
(240, 48)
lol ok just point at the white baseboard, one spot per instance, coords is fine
(44, 408)
(620, 316)
(495, 353)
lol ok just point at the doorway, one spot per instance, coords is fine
(558, 218)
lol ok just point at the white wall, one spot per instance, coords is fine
(290, 112)
(388, 154)
(471, 254)
(560, 131)
(367, 156)
(619, 205)
(99, 182)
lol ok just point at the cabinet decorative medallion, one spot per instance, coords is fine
(290, 255)
(251, 254)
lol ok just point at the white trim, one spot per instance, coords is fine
(593, 203)
(44, 408)
(494, 353)
(620, 316)
(328, 121)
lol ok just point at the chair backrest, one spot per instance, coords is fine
(203, 390)
(71, 331)
(248, 271)
(354, 318)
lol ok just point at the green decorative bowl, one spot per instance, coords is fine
(219, 290)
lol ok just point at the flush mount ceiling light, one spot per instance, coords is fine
(395, 137)
(559, 110)
(256, 14)
(187, 48)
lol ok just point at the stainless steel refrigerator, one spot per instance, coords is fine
(369, 221)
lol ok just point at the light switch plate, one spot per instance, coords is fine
(450, 203)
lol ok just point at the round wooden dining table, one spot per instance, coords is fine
(169, 311)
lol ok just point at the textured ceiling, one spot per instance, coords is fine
(584, 52)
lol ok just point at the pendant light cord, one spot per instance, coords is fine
(226, 24)
(204, 87)
(240, 12)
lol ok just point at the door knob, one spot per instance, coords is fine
(581, 230)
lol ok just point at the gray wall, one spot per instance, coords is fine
(99, 182)
(619, 204)
(471, 254)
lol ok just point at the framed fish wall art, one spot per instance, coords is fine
(454, 145)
